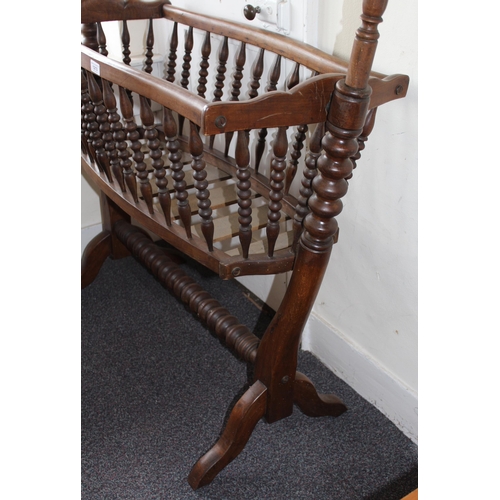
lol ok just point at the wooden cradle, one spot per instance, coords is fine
(170, 166)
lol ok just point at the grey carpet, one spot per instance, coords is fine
(157, 388)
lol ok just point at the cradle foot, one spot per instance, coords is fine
(94, 255)
(250, 408)
(313, 404)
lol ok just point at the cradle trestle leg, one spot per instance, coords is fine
(244, 417)
(259, 400)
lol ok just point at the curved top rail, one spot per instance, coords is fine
(303, 53)
(165, 93)
(121, 10)
(300, 52)
(306, 103)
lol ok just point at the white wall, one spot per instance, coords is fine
(364, 322)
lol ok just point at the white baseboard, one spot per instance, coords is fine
(396, 401)
(88, 233)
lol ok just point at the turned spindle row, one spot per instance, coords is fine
(116, 143)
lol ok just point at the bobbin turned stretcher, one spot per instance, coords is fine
(187, 155)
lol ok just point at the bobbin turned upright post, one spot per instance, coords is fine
(277, 385)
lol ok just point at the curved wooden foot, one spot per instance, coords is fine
(313, 404)
(250, 408)
(94, 255)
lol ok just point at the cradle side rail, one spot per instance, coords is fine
(307, 102)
